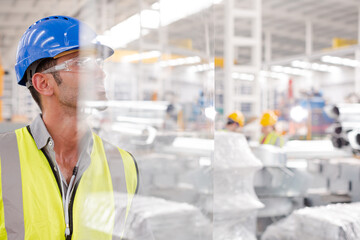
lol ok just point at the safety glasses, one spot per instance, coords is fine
(78, 64)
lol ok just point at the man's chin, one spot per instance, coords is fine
(101, 108)
(100, 102)
(101, 97)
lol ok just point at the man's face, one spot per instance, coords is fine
(267, 129)
(234, 127)
(83, 80)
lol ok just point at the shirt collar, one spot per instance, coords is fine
(39, 132)
(42, 136)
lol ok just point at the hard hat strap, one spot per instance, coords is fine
(30, 72)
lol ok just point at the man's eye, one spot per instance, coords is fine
(82, 62)
(99, 61)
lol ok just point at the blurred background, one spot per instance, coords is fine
(180, 70)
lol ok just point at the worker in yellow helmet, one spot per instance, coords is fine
(269, 135)
(235, 121)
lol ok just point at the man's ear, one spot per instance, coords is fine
(41, 83)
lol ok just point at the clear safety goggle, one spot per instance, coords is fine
(78, 64)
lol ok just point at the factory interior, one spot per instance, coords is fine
(180, 72)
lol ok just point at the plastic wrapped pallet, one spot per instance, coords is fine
(331, 222)
(173, 177)
(158, 219)
(235, 202)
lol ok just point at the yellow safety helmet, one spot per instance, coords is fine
(269, 118)
(237, 117)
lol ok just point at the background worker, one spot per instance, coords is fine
(269, 134)
(235, 121)
(56, 174)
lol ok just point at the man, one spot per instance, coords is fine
(235, 121)
(269, 134)
(58, 179)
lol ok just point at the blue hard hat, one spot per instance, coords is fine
(51, 36)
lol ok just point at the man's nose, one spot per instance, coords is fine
(99, 73)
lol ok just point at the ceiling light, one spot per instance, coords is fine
(150, 19)
(301, 64)
(141, 56)
(180, 61)
(314, 66)
(290, 70)
(122, 33)
(243, 76)
(171, 11)
(201, 67)
(340, 61)
(274, 75)
(174, 10)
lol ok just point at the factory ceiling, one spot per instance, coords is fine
(284, 20)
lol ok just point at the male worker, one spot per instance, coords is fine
(58, 179)
(234, 122)
(269, 134)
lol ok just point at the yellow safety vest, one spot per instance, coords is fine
(273, 139)
(31, 203)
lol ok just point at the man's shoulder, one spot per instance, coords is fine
(9, 135)
(7, 128)
(110, 146)
(8, 142)
(6, 135)
(105, 142)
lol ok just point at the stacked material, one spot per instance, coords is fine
(339, 175)
(235, 202)
(178, 177)
(158, 219)
(182, 177)
(178, 171)
(331, 222)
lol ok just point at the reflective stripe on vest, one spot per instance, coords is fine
(11, 204)
(42, 215)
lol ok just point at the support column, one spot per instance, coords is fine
(140, 74)
(309, 38)
(357, 57)
(229, 57)
(257, 55)
(264, 94)
(233, 98)
(268, 50)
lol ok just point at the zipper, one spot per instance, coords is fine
(71, 205)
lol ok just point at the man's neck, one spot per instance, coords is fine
(65, 131)
(66, 134)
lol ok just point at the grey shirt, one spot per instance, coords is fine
(45, 143)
